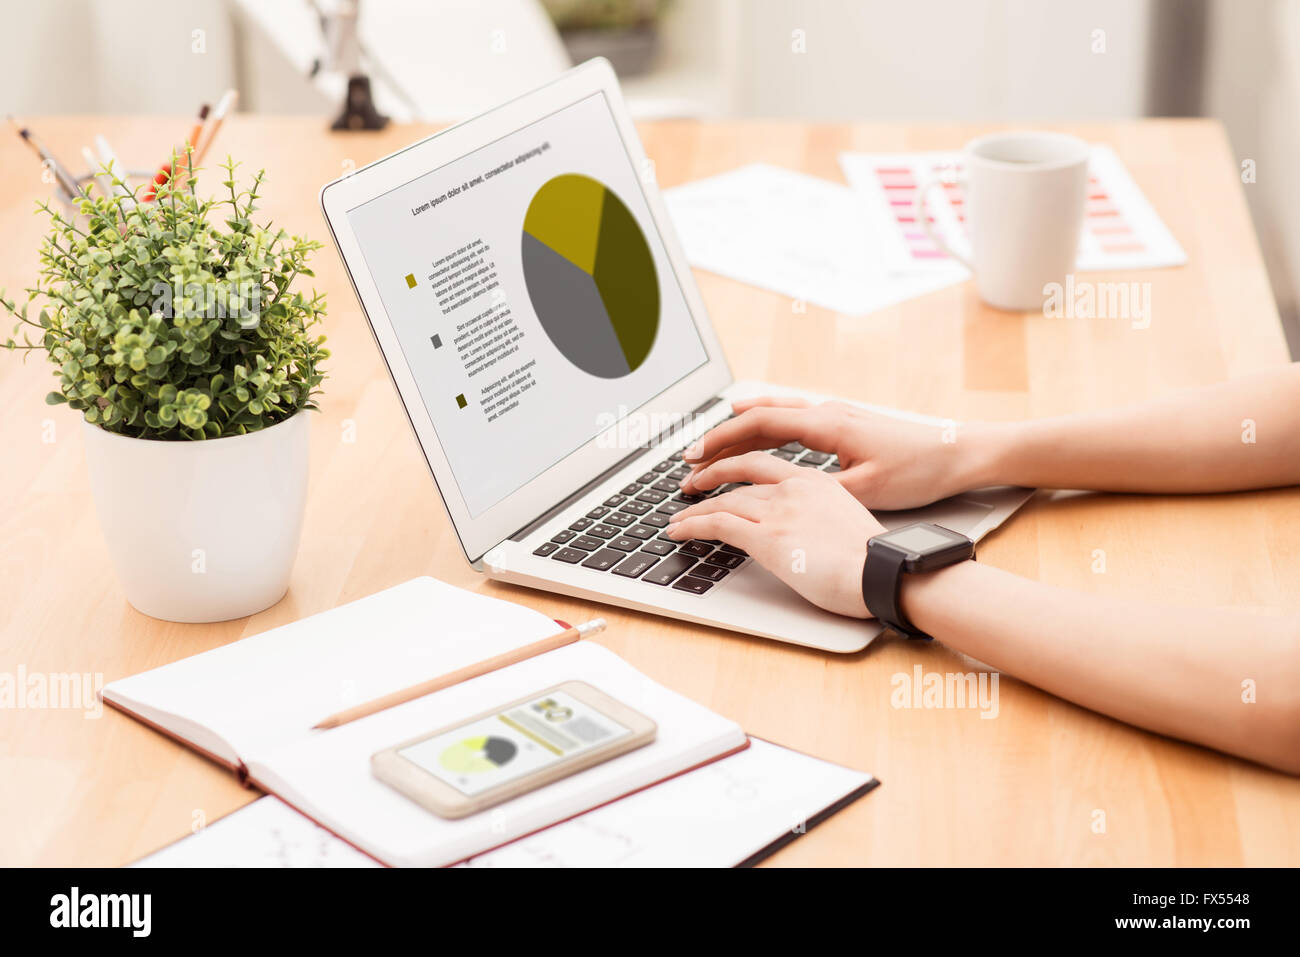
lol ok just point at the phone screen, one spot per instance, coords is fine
(502, 747)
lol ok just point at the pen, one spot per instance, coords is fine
(65, 180)
(495, 663)
(109, 160)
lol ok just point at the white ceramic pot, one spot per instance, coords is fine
(201, 531)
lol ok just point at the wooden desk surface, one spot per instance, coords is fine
(1020, 789)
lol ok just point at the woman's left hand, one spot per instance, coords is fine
(798, 523)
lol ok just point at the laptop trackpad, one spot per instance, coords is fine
(960, 514)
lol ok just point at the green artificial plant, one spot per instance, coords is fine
(175, 318)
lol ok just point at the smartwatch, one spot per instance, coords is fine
(919, 547)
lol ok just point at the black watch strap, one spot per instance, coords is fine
(882, 573)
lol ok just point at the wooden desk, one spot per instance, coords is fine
(1018, 790)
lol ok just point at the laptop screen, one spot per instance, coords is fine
(531, 295)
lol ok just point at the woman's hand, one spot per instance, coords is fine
(885, 462)
(798, 523)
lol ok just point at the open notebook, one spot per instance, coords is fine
(735, 811)
(251, 705)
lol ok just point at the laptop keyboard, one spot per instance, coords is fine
(626, 535)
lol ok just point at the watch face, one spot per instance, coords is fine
(921, 538)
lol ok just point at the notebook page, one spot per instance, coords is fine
(326, 774)
(716, 816)
(272, 686)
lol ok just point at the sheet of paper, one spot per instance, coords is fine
(803, 237)
(717, 816)
(1121, 230)
(266, 833)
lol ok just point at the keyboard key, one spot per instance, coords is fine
(668, 569)
(651, 496)
(696, 549)
(625, 543)
(816, 458)
(712, 572)
(614, 500)
(725, 559)
(643, 532)
(807, 465)
(603, 531)
(783, 454)
(629, 489)
(597, 512)
(735, 551)
(570, 555)
(663, 536)
(621, 519)
(603, 560)
(675, 457)
(647, 478)
(696, 586)
(635, 508)
(679, 473)
(545, 548)
(562, 536)
(795, 447)
(666, 485)
(671, 508)
(580, 524)
(587, 543)
(664, 466)
(656, 520)
(834, 467)
(688, 499)
(658, 547)
(634, 565)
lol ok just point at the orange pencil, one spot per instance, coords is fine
(494, 663)
(165, 171)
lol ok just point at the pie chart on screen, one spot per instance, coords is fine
(475, 755)
(590, 276)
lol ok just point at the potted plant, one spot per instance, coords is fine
(176, 332)
(626, 32)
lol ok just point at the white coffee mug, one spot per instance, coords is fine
(1024, 202)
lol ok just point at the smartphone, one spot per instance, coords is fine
(511, 750)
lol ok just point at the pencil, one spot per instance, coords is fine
(495, 663)
(224, 106)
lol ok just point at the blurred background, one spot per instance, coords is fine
(867, 60)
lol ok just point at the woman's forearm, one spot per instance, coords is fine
(1225, 679)
(1235, 435)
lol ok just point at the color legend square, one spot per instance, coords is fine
(410, 280)
(437, 341)
(460, 401)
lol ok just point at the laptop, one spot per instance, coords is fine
(544, 332)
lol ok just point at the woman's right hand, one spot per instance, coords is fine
(885, 462)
